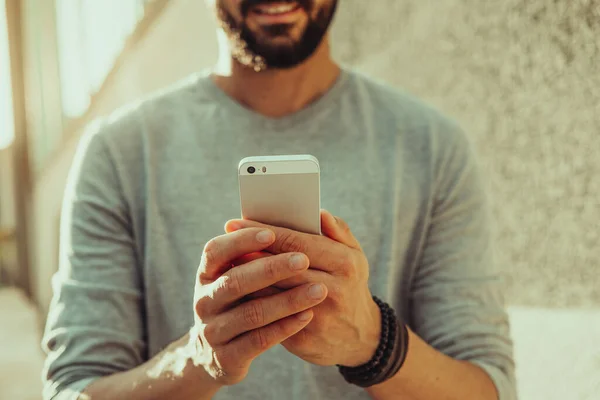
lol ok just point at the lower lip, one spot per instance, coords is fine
(282, 18)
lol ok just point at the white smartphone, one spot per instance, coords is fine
(282, 191)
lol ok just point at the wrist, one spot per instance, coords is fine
(370, 337)
(389, 356)
(203, 379)
(187, 362)
(170, 374)
(198, 371)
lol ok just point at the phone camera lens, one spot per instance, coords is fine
(251, 170)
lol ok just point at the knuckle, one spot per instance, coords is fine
(260, 339)
(292, 243)
(211, 251)
(334, 292)
(201, 306)
(211, 332)
(346, 266)
(253, 314)
(270, 268)
(295, 300)
(231, 284)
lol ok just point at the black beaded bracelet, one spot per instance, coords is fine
(389, 356)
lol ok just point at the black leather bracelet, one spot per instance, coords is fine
(389, 356)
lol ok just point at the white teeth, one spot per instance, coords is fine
(277, 9)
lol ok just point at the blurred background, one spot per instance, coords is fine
(522, 76)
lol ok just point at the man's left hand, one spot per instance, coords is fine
(346, 326)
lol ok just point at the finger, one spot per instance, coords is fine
(256, 275)
(219, 252)
(261, 312)
(338, 230)
(252, 344)
(266, 292)
(245, 259)
(324, 253)
(308, 276)
(269, 291)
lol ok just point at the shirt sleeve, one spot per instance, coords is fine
(457, 297)
(94, 326)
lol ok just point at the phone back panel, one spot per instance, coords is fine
(289, 199)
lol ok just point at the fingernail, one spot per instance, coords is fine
(305, 315)
(330, 215)
(264, 236)
(297, 262)
(233, 226)
(316, 291)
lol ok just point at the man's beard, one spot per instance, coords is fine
(257, 51)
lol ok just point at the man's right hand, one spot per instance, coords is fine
(231, 331)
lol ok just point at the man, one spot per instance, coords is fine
(133, 317)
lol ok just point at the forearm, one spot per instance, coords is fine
(166, 376)
(429, 374)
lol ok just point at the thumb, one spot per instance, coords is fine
(337, 229)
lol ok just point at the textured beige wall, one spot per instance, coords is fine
(523, 78)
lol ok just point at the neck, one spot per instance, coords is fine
(276, 93)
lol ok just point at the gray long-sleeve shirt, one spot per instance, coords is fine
(153, 183)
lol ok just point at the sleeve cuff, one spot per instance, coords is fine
(505, 385)
(69, 392)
